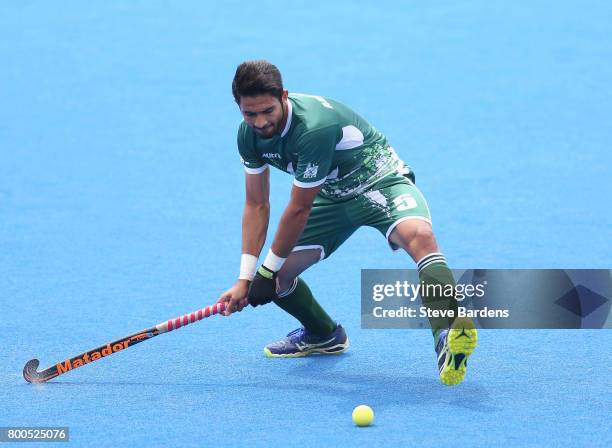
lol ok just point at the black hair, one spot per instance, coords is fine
(254, 78)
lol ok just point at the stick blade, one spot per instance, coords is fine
(30, 372)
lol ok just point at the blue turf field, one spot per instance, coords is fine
(121, 194)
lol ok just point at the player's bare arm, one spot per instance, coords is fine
(256, 213)
(294, 219)
(255, 219)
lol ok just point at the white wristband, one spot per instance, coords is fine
(248, 266)
(273, 262)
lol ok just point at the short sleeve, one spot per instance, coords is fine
(315, 155)
(253, 164)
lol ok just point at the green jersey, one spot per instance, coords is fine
(323, 143)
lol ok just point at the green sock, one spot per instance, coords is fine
(438, 290)
(301, 304)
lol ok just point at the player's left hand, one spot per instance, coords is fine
(263, 287)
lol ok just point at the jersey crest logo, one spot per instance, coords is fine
(311, 171)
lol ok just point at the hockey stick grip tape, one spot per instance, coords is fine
(190, 318)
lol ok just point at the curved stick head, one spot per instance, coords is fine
(30, 374)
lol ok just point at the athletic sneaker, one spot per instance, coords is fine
(300, 343)
(453, 349)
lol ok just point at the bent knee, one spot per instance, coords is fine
(296, 263)
(423, 235)
(415, 235)
(423, 240)
(284, 281)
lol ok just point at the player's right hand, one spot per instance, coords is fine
(235, 298)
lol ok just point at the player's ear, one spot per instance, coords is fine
(285, 95)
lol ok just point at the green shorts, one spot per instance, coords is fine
(383, 206)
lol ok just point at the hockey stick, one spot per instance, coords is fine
(32, 376)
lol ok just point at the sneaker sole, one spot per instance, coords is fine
(462, 341)
(335, 350)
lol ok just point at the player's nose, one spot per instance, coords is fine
(260, 122)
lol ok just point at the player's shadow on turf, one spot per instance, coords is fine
(383, 391)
